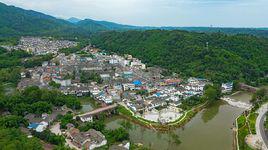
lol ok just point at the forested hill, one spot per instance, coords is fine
(261, 32)
(236, 57)
(15, 21)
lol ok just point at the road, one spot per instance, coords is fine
(260, 126)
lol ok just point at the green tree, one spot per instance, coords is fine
(211, 93)
(54, 84)
(41, 107)
(12, 121)
(13, 139)
(49, 137)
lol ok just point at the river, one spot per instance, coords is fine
(242, 96)
(210, 129)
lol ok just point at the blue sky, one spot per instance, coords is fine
(218, 13)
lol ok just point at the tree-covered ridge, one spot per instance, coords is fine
(15, 21)
(216, 56)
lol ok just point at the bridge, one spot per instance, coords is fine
(235, 103)
(88, 116)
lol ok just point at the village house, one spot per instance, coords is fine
(86, 140)
(156, 103)
(136, 63)
(128, 86)
(136, 107)
(38, 127)
(62, 82)
(227, 87)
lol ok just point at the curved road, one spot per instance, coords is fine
(262, 131)
(260, 126)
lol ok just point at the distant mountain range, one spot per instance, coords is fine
(73, 20)
(15, 21)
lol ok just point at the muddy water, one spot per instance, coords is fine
(210, 129)
(242, 96)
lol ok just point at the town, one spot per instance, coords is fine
(133, 75)
(112, 81)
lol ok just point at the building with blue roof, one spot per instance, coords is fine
(137, 83)
(33, 125)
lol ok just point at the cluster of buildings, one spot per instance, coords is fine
(227, 87)
(41, 46)
(125, 79)
(39, 123)
(89, 140)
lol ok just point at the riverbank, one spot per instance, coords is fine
(250, 125)
(248, 130)
(186, 117)
(245, 126)
(216, 119)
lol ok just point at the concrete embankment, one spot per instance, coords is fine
(235, 103)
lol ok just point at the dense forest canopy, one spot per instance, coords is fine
(215, 56)
(15, 21)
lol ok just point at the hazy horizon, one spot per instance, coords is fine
(168, 13)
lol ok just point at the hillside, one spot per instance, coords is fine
(261, 32)
(16, 21)
(73, 20)
(91, 26)
(95, 26)
(237, 57)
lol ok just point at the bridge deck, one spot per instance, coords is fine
(99, 110)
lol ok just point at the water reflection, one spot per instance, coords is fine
(211, 111)
(206, 131)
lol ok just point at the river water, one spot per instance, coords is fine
(210, 129)
(242, 96)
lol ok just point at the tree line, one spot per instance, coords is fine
(216, 56)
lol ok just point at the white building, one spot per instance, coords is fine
(227, 87)
(137, 63)
(113, 61)
(128, 86)
(108, 99)
(62, 82)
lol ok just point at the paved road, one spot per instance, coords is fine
(260, 126)
(262, 131)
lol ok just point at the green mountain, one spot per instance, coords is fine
(73, 20)
(91, 26)
(15, 21)
(99, 26)
(227, 57)
(115, 26)
(263, 32)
